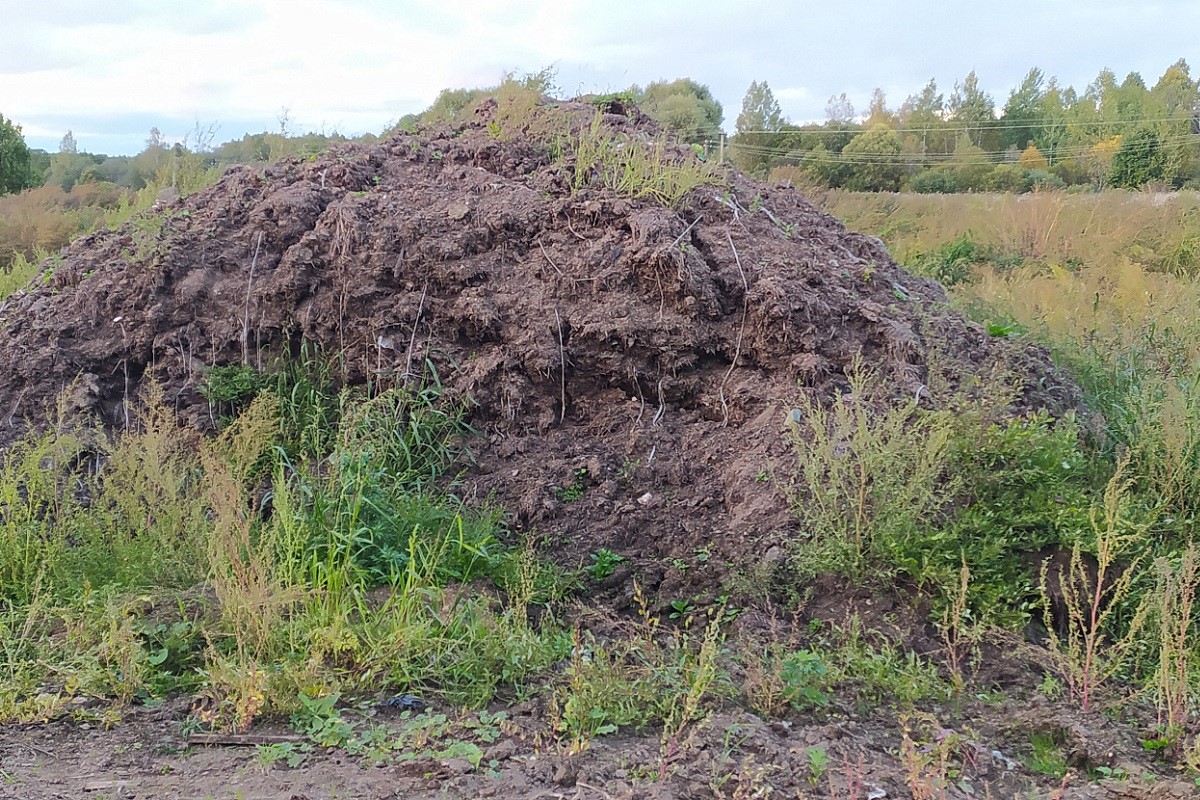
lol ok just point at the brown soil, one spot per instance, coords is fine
(659, 350)
(733, 754)
(648, 356)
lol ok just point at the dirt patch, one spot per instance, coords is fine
(732, 754)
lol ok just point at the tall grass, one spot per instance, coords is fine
(1109, 283)
(342, 570)
(1157, 232)
(651, 170)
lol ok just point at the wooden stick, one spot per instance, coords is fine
(737, 352)
(246, 313)
(242, 739)
(562, 358)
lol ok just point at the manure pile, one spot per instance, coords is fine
(631, 365)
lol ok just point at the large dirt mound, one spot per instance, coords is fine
(644, 355)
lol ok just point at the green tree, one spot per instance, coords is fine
(970, 164)
(1132, 98)
(67, 169)
(760, 110)
(878, 112)
(15, 171)
(874, 156)
(1100, 99)
(1176, 91)
(1053, 112)
(922, 115)
(145, 165)
(826, 167)
(1023, 114)
(684, 107)
(1175, 100)
(757, 126)
(839, 110)
(1139, 160)
(974, 112)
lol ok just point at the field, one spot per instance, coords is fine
(530, 456)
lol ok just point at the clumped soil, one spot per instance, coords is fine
(644, 355)
(631, 368)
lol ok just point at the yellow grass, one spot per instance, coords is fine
(1156, 231)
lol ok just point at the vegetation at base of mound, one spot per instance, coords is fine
(1102, 281)
(256, 567)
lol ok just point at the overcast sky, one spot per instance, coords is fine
(111, 70)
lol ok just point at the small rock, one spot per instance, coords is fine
(406, 702)
(566, 774)
(501, 751)
(646, 499)
(459, 765)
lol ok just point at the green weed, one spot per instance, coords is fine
(603, 563)
(650, 170)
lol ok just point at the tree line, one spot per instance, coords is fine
(1112, 134)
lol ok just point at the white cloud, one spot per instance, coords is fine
(355, 65)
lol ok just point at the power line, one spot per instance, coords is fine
(999, 124)
(985, 158)
(952, 126)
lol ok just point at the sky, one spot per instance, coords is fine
(111, 71)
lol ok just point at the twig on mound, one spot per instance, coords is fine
(35, 749)
(550, 260)
(686, 231)
(732, 204)
(562, 360)
(662, 406)
(412, 342)
(595, 789)
(571, 228)
(241, 739)
(737, 351)
(246, 312)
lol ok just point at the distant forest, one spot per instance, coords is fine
(1114, 133)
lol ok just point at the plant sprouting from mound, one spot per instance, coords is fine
(866, 482)
(645, 170)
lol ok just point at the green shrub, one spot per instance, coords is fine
(951, 264)
(1042, 180)
(20, 273)
(933, 181)
(231, 384)
(868, 482)
(1008, 178)
(806, 680)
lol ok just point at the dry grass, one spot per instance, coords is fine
(1158, 232)
(652, 170)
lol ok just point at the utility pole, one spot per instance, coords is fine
(721, 149)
